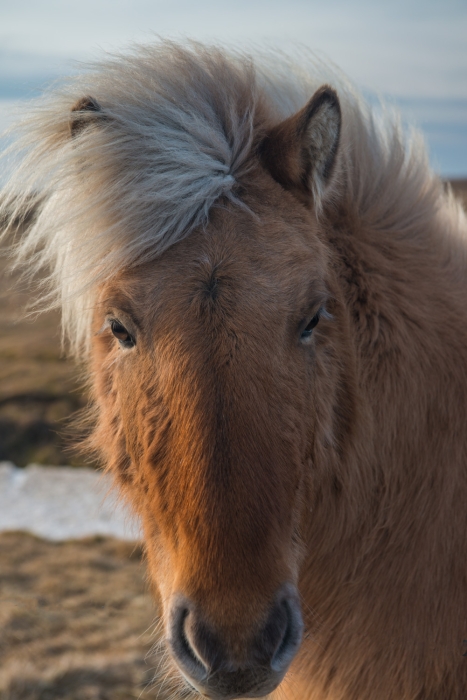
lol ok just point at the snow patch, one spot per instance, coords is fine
(62, 503)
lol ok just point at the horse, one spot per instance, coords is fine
(267, 285)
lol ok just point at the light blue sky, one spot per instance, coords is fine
(414, 51)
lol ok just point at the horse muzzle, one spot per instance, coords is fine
(211, 667)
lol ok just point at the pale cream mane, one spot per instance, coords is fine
(176, 131)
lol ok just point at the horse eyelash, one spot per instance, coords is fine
(106, 325)
(102, 329)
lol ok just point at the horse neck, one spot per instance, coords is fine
(404, 292)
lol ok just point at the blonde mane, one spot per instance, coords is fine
(178, 127)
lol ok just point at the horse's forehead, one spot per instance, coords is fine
(242, 271)
(240, 251)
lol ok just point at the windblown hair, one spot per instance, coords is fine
(172, 132)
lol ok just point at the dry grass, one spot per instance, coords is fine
(75, 620)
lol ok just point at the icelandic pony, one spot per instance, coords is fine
(268, 286)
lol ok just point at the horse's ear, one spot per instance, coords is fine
(83, 113)
(300, 152)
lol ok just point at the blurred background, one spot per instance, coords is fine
(74, 615)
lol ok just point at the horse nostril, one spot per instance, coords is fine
(282, 633)
(292, 636)
(183, 647)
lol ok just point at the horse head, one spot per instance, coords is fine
(210, 365)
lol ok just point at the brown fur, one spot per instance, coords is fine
(254, 458)
(342, 464)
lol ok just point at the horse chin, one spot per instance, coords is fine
(256, 683)
(218, 687)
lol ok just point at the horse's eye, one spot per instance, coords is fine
(122, 335)
(308, 330)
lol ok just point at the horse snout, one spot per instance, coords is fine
(224, 667)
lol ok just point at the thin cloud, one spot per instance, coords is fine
(407, 48)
